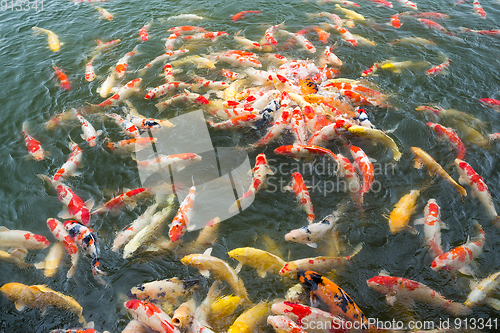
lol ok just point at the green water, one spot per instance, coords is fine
(29, 92)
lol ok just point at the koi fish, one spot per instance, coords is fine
(269, 34)
(21, 239)
(413, 40)
(334, 18)
(155, 226)
(244, 121)
(127, 127)
(302, 194)
(398, 66)
(481, 292)
(460, 257)
(40, 296)
(335, 130)
(89, 70)
(407, 4)
(189, 17)
(142, 122)
(439, 68)
(260, 172)
(284, 324)
(491, 103)
(107, 86)
(404, 208)
(103, 47)
(432, 227)
(35, 149)
(370, 71)
(350, 13)
(128, 146)
(128, 199)
(297, 151)
(377, 135)
(346, 170)
(104, 13)
(450, 136)
(131, 230)
(61, 234)
(184, 314)
(303, 314)
(422, 158)
(200, 62)
(176, 161)
(165, 88)
(143, 32)
(279, 125)
(89, 133)
(165, 56)
(163, 290)
(248, 321)
(338, 301)
(247, 43)
(315, 232)
(298, 127)
(406, 290)
(219, 268)
(206, 238)
(179, 30)
(364, 166)
(261, 260)
(479, 9)
(318, 264)
(382, 3)
(238, 59)
(241, 15)
(479, 188)
(346, 3)
(212, 35)
(52, 38)
(329, 58)
(230, 74)
(493, 32)
(63, 78)
(122, 65)
(181, 221)
(59, 119)
(87, 240)
(68, 169)
(52, 261)
(170, 43)
(123, 93)
(186, 97)
(151, 316)
(346, 34)
(16, 257)
(434, 25)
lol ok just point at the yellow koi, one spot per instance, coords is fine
(52, 38)
(250, 319)
(53, 260)
(261, 260)
(377, 135)
(404, 208)
(350, 13)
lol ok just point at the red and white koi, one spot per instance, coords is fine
(382, 3)
(395, 21)
(168, 73)
(165, 88)
(346, 34)
(180, 30)
(491, 103)
(122, 65)
(244, 121)
(450, 136)
(34, 147)
(87, 240)
(102, 47)
(61, 234)
(63, 78)
(131, 230)
(59, 119)
(22, 239)
(128, 199)
(176, 161)
(460, 257)
(407, 4)
(479, 9)
(202, 82)
(346, 170)
(479, 188)
(365, 167)
(406, 290)
(346, 3)
(298, 127)
(483, 291)
(432, 227)
(260, 172)
(127, 147)
(123, 93)
(230, 74)
(128, 127)
(182, 219)
(327, 133)
(151, 316)
(299, 188)
(284, 324)
(275, 131)
(142, 122)
(212, 35)
(425, 15)
(439, 68)
(68, 169)
(165, 56)
(89, 133)
(304, 42)
(89, 70)
(143, 32)
(493, 32)
(371, 70)
(186, 97)
(329, 58)
(269, 34)
(434, 25)
(247, 43)
(238, 58)
(104, 13)
(334, 18)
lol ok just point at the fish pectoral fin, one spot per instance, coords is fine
(411, 229)
(444, 226)
(89, 204)
(19, 306)
(466, 270)
(312, 244)
(205, 273)
(191, 227)
(419, 221)
(473, 284)
(64, 214)
(40, 265)
(493, 302)
(237, 269)
(417, 164)
(262, 273)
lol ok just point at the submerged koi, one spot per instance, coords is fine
(432, 227)
(439, 68)
(241, 15)
(404, 208)
(63, 78)
(34, 147)
(450, 136)
(89, 71)
(52, 38)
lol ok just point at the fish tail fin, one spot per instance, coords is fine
(496, 221)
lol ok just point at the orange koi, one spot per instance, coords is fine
(300, 190)
(241, 15)
(63, 78)
(180, 223)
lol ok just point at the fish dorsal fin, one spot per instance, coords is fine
(313, 245)
(383, 272)
(238, 268)
(2, 228)
(89, 204)
(208, 252)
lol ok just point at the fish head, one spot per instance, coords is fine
(13, 290)
(382, 284)
(300, 235)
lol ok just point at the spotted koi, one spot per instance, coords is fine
(122, 65)
(185, 97)
(34, 147)
(143, 32)
(299, 188)
(241, 15)
(61, 234)
(89, 71)
(63, 78)
(439, 68)
(22, 239)
(181, 221)
(432, 227)
(151, 316)
(127, 127)
(123, 93)
(450, 136)
(68, 169)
